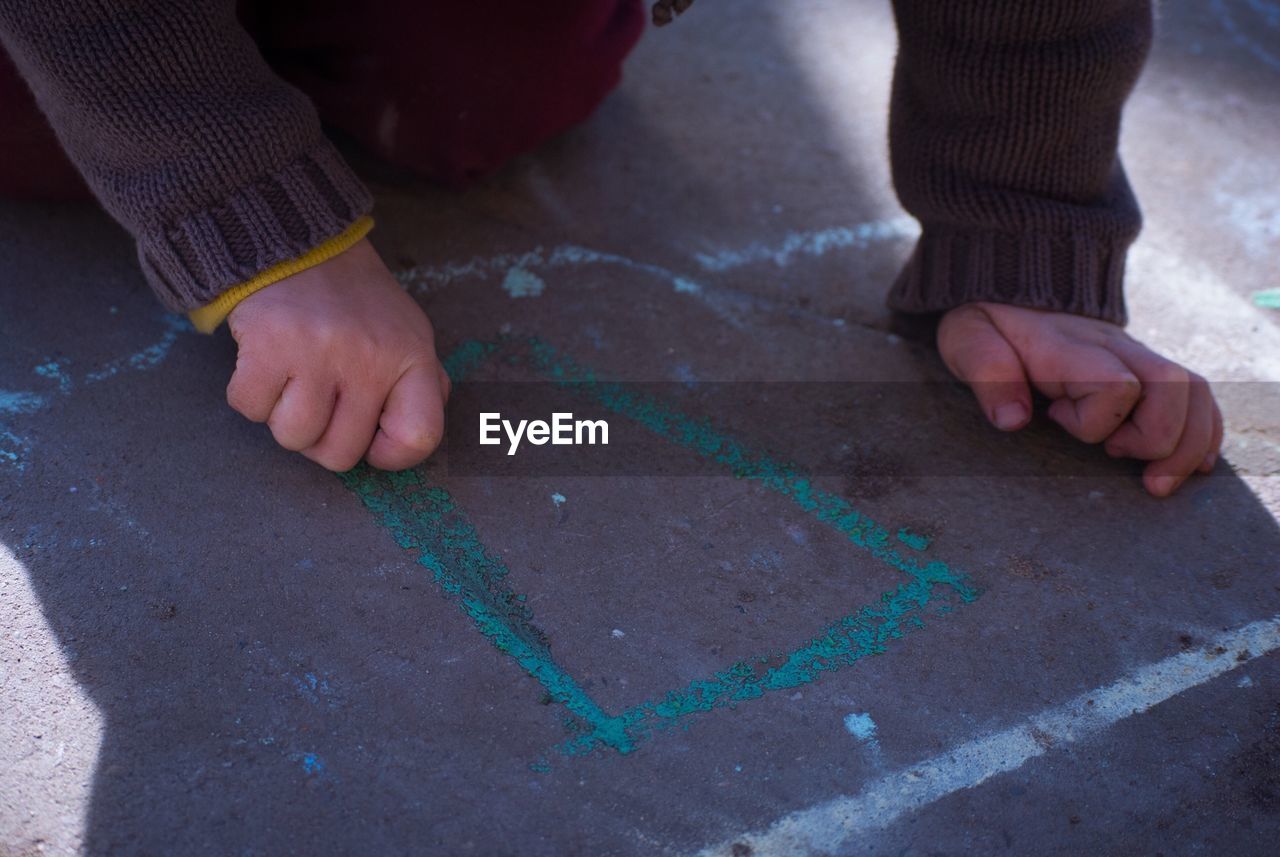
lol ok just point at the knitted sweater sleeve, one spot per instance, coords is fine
(217, 167)
(1003, 132)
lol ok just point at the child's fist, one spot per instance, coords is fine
(341, 364)
(1105, 386)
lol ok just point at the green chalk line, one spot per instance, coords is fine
(425, 518)
(701, 437)
(1267, 299)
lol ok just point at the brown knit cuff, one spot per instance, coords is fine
(1078, 274)
(273, 219)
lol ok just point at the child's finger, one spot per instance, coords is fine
(1163, 477)
(349, 433)
(1152, 432)
(976, 353)
(1093, 391)
(412, 422)
(301, 414)
(446, 384)
(1211, 459)
(254, 388)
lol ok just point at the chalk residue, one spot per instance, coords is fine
(537, 259)
(520, 283)
(13, 447)
(813, 243)
(149, 357)
(519, 277)
(19, 403)
(558, 499)
(311, 763)
(861, 726)
(53, 371)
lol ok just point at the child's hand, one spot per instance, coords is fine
(1105, 386)
(341, 364)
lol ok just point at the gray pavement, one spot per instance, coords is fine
(889, 631)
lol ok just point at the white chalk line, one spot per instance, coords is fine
(812, 243)
(729, 304)
(827, 827)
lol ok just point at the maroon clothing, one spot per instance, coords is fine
(1004, 125)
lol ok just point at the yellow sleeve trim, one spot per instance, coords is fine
(207, 318)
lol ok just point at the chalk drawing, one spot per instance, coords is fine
(423, 517)
(915, 541)
(520, 283)
(861, 726)
(12, 402)
(53, 371)
(558, 499)
(311, 763)
(729, 304)
(537, 259)
(149, 357)
(311, 687)
(14, 447)
(1271, 15)
(813, 243)
(835, 825)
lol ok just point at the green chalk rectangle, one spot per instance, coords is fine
(424, 517)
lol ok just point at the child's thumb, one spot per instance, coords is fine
(978, 354)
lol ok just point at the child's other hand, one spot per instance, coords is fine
(1105, 386)
(341, 364)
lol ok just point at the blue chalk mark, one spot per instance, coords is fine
(53, 371)
(311, 763)
(424, 518)
(13, 449)
(147, 358)
(311, 687)
(915, 541)
(12, 402)
(686, 287)
(1242, 38)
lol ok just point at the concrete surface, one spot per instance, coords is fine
(212, 646)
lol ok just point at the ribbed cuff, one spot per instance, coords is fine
(207, 318)
(1078, 274)
(272, 220)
